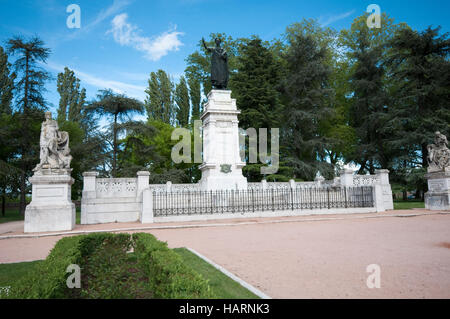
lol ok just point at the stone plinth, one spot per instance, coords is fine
(438, 195)
(222, 164)
(51, 208)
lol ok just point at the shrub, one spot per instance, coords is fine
(168, 276)
(48, 279)
(109, 271)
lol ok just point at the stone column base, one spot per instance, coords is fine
(438, 195)
(51, 208)
(49, 218)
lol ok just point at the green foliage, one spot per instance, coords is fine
(48, 279)
(420, 90)
(160, 100)
(255, 85)
(168, 275)
(6, 83)
(118, 107)
(72, 98)
(307, 97)
(30, 103)
(182, 102)
(195, 96)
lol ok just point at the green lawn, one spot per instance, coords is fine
(12, 215)
(408, 204)
(10, 273)
(223, 286)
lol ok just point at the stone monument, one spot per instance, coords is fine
(222, 164)
(438, 175)
(51, 208)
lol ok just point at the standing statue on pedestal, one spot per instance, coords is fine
(438, 153)
(219, 65)
(55, 151)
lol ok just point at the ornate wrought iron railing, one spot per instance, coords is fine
(196, 202)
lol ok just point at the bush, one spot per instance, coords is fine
(48, 279)
(109, 271)
(168, 276)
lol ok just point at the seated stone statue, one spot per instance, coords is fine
(55, 151)
(438, 153)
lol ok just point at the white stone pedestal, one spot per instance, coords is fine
(438, 195)
(51, 208)
(222, 164)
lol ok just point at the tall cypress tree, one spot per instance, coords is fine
(72, 98)
(195, 96)
(159, 102)
(182, 101)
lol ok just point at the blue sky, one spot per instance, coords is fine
(121, 41)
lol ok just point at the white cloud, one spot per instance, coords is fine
(131, 90)
(127, 34)
(116, 6)
(324, 21)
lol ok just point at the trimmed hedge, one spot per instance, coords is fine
(168, 276)
(48, 279)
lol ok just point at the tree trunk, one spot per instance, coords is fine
(3, 203)
(424, 155)
(405, 195)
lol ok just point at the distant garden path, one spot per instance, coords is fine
(306, 257)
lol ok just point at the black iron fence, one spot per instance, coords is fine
(196, 202)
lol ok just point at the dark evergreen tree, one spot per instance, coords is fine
(421, 94)
(306, 94)
(255, 85)
(30, 103)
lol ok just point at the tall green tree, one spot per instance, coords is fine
(368, 96)
(160, 102)
(30, 102)
(6, 83)
(307, 93)
(421, 74)
(255, 85)
(7, 170)
(195, 96)
(118, 107)
(181, 98)
(72, 97)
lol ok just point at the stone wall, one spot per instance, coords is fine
(107, 200)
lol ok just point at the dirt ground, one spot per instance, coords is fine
(304, 257)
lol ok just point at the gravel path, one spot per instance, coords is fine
(302, 258)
